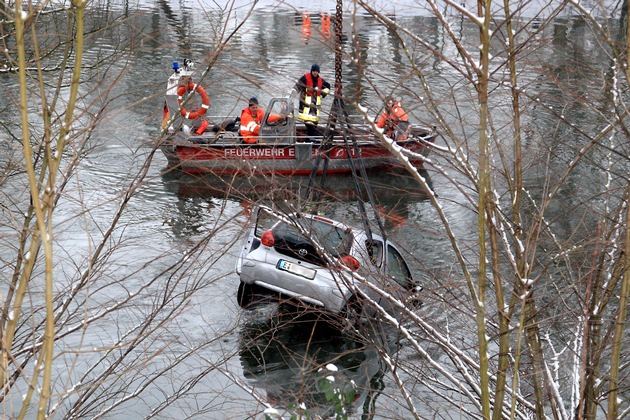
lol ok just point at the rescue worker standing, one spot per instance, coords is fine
(312, 89)
(394, 120)
(251, 118)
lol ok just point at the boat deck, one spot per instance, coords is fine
(226, 133)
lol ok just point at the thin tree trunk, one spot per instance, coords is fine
(484, 203)
(620, 323)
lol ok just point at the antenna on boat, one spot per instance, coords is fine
(339, 114)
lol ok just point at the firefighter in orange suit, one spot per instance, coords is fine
(251, 117)
(394, 120)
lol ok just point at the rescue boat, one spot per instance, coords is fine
(196, 143)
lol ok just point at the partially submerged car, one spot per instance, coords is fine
(321, 262)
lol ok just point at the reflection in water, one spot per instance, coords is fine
(287, 356)
(393, 191)
(191, 216)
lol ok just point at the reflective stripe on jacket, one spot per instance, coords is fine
(310, 110)
(250, 124)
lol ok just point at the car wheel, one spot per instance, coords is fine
(245, 295)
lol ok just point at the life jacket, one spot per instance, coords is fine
(309, 84)
(250, 124)
(310, 111)
(394, 121)
(397, 114)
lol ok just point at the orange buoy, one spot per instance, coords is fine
(205, 100)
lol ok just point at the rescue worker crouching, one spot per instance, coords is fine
(394, 120)
(251, 118)
(312, 89)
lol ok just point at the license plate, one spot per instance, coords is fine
(296, 269)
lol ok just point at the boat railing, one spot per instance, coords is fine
(224, 130)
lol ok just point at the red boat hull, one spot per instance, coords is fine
(282, 159)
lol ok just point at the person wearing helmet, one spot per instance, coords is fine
(312, 89)
(394, 120)
(251, 117)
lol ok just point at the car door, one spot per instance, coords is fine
(372, 256)
(397, 279)
(397, 269)
(260, 220)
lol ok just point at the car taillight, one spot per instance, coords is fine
(350, 262)
(267, 238)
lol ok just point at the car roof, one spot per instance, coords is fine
(357, 232)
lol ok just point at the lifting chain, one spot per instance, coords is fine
(338, 48)
(339, 114)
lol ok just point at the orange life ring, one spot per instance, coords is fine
(205, 100)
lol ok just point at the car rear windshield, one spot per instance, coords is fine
(289, 239)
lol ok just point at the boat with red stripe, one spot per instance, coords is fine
(196, 143)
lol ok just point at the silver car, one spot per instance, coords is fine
(319, 261)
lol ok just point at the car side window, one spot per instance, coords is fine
(264, 221)
(375, 251)
(397, 268)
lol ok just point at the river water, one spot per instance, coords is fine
(174, 248)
